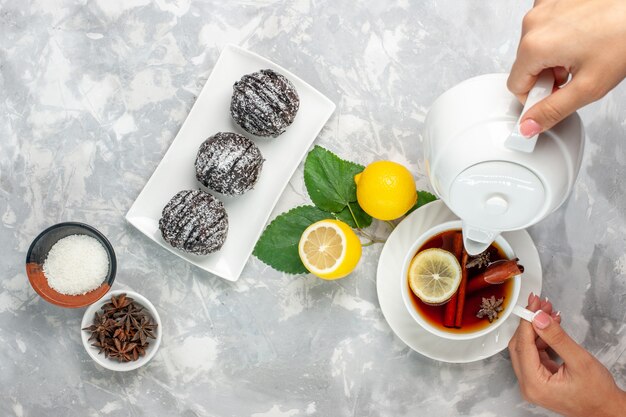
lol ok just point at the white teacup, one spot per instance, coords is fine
(511, 306)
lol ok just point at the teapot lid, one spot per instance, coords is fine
(498, 195)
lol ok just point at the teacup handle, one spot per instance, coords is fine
(524, 313)
(542, 89)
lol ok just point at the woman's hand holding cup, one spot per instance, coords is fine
(579, 387)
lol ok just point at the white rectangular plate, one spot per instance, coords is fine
(247, 214)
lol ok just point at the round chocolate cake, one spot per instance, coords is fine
(228, 163)
(194, 221)
(264, 103)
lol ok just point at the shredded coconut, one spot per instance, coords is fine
(264, 103)
(194, 221)
(228, 163)
(76, 265)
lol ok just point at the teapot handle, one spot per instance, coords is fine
(542, 89)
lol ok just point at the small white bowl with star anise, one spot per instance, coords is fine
(121, 332)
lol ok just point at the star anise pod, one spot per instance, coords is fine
(145, 329)
(141, 350)
(122, 351)
(125, 316)
(481, 260)
(104, 346)
(120, 334)
(490, 308)
(116, 304)
(101, 327)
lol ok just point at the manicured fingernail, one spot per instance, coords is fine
(530, 297)
(529, 128)
(542, 319)
(558, 313)
(547, 300)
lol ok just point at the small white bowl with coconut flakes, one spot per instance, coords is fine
(71, 264)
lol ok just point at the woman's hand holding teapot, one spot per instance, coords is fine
(584, 39)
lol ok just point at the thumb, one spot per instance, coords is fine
(553, 334)
(556, 107)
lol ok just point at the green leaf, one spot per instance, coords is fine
(361, 216)
(278, 245)
(329, 180)
(423, 197)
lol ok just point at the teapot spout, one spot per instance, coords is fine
(477, 240)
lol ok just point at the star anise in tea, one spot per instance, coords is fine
(490, 308)
(122, 329)
(479, 261)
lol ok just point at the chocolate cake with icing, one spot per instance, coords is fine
(228, 163)
(194, 221)
(264, 103)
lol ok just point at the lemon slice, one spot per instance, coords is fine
(434, 276)
(329, 249)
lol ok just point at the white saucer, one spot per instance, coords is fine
(399, 319)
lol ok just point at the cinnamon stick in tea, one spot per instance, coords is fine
(495, 274)
(449, 314)
(458, 322)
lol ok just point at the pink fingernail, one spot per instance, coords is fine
(542, 319)
(530, 297)
(529, 128)
(547, 300)
(558, 313)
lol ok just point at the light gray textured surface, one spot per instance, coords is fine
(93, 93)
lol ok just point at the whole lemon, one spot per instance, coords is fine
(385, 190)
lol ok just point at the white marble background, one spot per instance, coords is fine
(92, 94)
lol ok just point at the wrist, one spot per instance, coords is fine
(616, 404)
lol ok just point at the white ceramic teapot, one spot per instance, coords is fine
(484, 171)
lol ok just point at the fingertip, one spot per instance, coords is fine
(546, 306)
(541, 320)
(529, 128)
(534, 304)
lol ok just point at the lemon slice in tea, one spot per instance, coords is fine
(434, 276)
